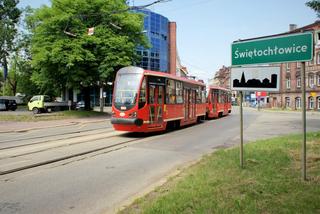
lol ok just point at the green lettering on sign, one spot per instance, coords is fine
(289, 48)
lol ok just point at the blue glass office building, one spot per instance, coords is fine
(156, 27)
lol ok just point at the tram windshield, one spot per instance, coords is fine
(126, 90)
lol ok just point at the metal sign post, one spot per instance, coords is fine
(304, 127)
(241, 130)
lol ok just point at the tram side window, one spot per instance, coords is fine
(198, 91)
(170, 92)
(215, 96)
(222, 97)
(179, 91)
(152, 90)
(142, 97)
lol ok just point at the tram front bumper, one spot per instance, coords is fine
(127, 121)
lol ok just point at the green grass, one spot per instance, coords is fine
(51, 116)
(270, 182)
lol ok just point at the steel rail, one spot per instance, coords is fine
(47, 162)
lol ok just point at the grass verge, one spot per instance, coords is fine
(51, 116)
(269, 183)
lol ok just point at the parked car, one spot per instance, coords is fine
(7, 105)
(80, 105)
(11, 105)
(2, 105)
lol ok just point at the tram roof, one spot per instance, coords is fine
(171, 76)
(138, 70)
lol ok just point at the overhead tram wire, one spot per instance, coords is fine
(130, 8)
(120, 11)
(187, 6)
(202, 71)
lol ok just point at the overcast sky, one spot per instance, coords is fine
(206, 28)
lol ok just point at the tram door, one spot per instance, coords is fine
(189, 103)
(193, 104)
(186, 103)
(214, 100)
(156, 102)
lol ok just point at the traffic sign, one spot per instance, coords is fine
(261, 93)
(288, 48)
(255, 78)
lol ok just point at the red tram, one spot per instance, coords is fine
(219, 102)
(148, 101)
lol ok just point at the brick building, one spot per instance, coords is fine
(221, 77)
(289, 95)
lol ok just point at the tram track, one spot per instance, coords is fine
(54, 160)
(17, 162)
(64, 137)
(55, 145)
(51, 135)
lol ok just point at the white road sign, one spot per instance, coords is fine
(255, 78)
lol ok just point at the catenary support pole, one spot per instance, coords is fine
(101, 98)
(241, 129)
(304, 127)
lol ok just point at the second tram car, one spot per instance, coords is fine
(148, 101)
(219, 102)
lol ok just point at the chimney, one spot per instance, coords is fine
(172, 48)
(292, 27)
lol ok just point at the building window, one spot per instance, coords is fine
(298, 64)
(298, 103)
(288, 82)
(288, 66)
(311, 80)
(318, 103)
(318, 58)
(287, 102)
(317, 38)
(298, 82)
(318, 79)
(311, 103)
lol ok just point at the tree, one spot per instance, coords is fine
(9, 17)
(315, 5)
(18, 78)
(65, 56)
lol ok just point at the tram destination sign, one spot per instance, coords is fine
(288, 48)
(255, 78)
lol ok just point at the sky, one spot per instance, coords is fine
(207, 28)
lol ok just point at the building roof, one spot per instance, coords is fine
(297, 30)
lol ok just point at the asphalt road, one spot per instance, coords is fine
(103, 181)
